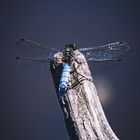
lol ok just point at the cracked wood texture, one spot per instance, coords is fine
(83, 113)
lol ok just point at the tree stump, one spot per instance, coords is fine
(83, 113)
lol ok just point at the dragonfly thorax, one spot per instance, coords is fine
(68, 53)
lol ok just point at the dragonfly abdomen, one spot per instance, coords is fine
(63, 86)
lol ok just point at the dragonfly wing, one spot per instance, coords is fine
(38, 65)
(34, 49)
(102, 66)
(106, 52)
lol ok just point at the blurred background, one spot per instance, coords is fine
(29, 109)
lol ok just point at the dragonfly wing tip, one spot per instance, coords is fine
(17, 57)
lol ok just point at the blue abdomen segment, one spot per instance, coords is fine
(63, 86)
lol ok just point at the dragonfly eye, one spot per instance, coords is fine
(71, 46)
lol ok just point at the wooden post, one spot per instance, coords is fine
(83, 113)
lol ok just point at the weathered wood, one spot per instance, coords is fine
(83, 113)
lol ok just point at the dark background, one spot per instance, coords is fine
(29, 109)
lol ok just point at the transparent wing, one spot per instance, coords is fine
(34, 49)
(38, 65)
(36, 56)
(106, 65)
(106, 52)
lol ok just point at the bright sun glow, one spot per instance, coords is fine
(104, 90)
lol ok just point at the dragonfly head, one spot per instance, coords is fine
(70, 46)
(68, 52)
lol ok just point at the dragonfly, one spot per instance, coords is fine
(39, 56)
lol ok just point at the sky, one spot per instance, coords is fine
(29, 108)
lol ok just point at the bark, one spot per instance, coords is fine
(83, 113)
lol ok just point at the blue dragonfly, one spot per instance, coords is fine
(39, 56)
